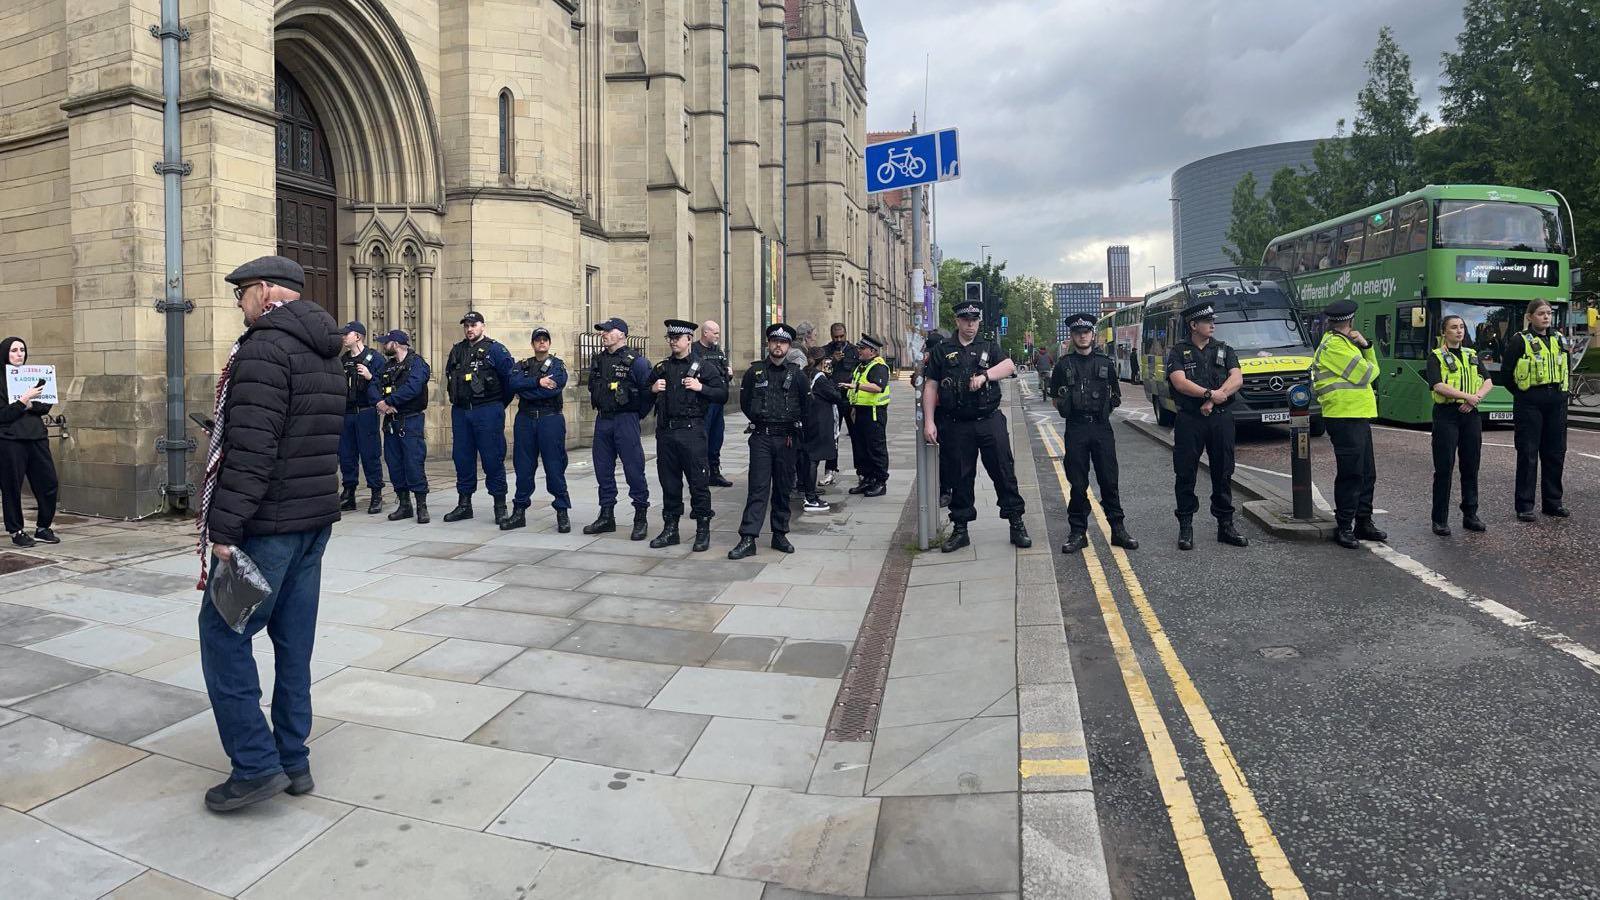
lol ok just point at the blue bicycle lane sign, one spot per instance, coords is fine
(911, 160)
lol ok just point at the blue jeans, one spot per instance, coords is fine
(292, 564)
(715, 426)
(479, 433)
(358, 443)
(542, 438)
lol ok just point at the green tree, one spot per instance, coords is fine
(1382, 146)
(1288, 207)
(1251, 227)
(1331, 184)
(1033, 309)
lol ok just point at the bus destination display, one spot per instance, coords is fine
(1503, 270)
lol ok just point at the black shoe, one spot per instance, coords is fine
(861, 488)
(463, 509)
(1367, 530)
(21, 539)
(1227, 534)
(1076, 540)
(1019, 534)
(563, 522)
(1559, 512)
(958, 538)
(1121, 538)
(944, 499)
(45, 536)
(422, 509)
(231, 795)
(876, 489)
(1527, 517)
(1346, 538)
(641, 524)
(668, 535)
(500, 509)
(375, 506)
(780, 543)
(518, 518)
(300, 782)
(347, 498)
(606, 522)
(403, 511)
(745, 547)
(702, 535)
(1441, 529)
(1185, 536)
(716, 479)
(1471, 522)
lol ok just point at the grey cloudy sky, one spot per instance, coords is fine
(1073, 115)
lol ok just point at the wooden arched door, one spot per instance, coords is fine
(306, 192)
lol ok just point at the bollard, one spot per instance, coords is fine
(1300, 451)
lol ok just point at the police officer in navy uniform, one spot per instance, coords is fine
(619, 389)
(478, 377)
(1083, 384)
(961, 382)
(1205, 376)
(710, 353)
(402, 398)
(684, 385)
(359, 440)
(773, 397)
(539, 432)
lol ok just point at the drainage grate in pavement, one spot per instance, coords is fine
(16, 562)
(856, 708)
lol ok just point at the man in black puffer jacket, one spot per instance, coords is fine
(271, 490)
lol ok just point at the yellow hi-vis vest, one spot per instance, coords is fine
(1342, 376)
(859, 397)
(1544, 361)
(1460, 372)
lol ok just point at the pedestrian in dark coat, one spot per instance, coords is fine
(25, 453)
(819, 443)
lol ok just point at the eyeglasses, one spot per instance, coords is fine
(238, 292)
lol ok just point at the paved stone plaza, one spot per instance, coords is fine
(531, 714)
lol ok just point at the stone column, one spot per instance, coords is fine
(425, 317)
(391, 296)
(359, 309)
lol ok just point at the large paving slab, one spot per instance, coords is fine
(423, 589)
(594, 562)
(537, 600)
(443, 568)
(543, 576)
(448, 782)
(373, 854)
(844, 599)
(149, 584)
(96, 603)
(151, 812)
(820, 659)
(700, 590)
(783, 621)
(42, 760)
(745, 751)
(116, 707)
(689, 616)
(965, 844)
(408, 703)
(953, 652)
(41, 627)
(153, 885)
(657, 820)
(373, 612)
(621, 736)
(39, 861)
(804, 842)
(749, 695)
(944, 696)
(455, 659)
(24, 674)
(643, 643)
(569, 876)
(620, 681)
(195, 740)
(492, 625)
(697, 567)
(980, 756)
(188, 671)
(116, 647)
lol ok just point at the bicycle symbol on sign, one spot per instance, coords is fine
(905, 162)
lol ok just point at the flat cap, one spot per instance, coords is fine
(679, 328)
(1201, 310)
(1341, 310)
(279, 270)
(778, 331)
(1080, 320)
(613, 322)
(396, 336)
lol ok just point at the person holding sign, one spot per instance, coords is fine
(25, 451)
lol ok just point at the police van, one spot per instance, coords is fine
(1258, 315)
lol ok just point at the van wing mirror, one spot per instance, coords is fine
(1419, 317)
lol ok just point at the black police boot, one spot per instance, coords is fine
(606, 522)
(716, 479)
(1019, 534)
(641, 524)
(347, 498)
(1471, 522)
(1076, 540)
(376, 505)
(1227, 534)
(1345, 536)
(517, 519)
(745, 547)
(499, 509)
(1185, 536)
(1441, 529)
(1367, 530)
(780, 542)
(1560, 512)
(958, 538)
(422, 510)
(1527, 516)
(403, 511)
(463, 508)
(702, 535)
(862, 487)
(668, 535)
(876, 489)
(563, 521)
(1121, 538)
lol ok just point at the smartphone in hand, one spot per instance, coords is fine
(206, 424)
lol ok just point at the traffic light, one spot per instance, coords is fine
(975, 291)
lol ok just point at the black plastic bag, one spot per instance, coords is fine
(237, 587)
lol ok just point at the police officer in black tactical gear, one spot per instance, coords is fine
(1205, 376)
(403, 387)
(360, 442)
(710, 353)
(619, 390)
(1083, 384)
(962, 383)
(773, 397)
(539, 433)
(478, 381)
(947, 475)
(684, 385)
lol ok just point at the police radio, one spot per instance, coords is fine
(545, 369)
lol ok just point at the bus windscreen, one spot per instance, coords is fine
(1498, 225)
(1489, 325)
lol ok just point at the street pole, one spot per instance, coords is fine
(927, 454)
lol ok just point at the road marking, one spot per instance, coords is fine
(1586, 657)
(1033, 740)
(1194, 846)
(1031, 768)
(1320, 501)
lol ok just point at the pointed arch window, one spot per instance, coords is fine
(508, 136)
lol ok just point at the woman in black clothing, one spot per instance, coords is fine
(1459, 384)
(1536, 370)
(817, 440)
(25, 451)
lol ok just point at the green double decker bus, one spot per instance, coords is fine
(1476, 251)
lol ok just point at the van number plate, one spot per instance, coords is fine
(1275, 417)
(1499, 417)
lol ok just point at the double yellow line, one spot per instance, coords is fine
(1188, 827)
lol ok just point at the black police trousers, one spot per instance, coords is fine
(869, 443)
(771, 481)
(1092, 442)
(681, 457)
(1539, 418)
(1355, 469)
(1192, 435)
(1455, 434)
(961, 444)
